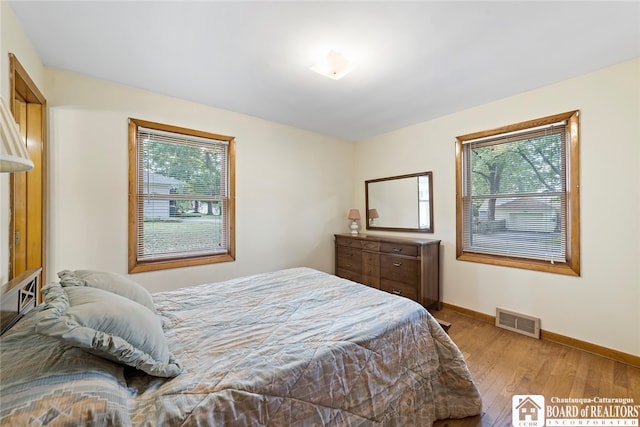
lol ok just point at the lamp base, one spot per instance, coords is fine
(354, 227)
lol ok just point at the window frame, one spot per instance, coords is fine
(571, 265)
(136, 265)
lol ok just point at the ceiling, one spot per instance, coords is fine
(415, 61)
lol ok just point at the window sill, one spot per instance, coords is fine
(138, 267)
(527, 264)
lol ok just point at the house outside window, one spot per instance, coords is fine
(181, 197)
(517, 199)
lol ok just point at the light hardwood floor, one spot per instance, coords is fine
(504, 363)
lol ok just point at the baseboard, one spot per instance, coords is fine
(480, 316)
(609, 353)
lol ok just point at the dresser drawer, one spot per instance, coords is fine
(399, 248)
(370, 262)
(348, 274)
(399, 269)
(349, 242)
(401, 289)
(368, 245)
(349, 259)
(371, 269)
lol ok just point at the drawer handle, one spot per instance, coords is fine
(396, 292)
(397, 264)
(397, 249)
(349, 265)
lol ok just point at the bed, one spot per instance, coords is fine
(295, 347)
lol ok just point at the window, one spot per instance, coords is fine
(425, 208)
(517, 200)
(181, 197)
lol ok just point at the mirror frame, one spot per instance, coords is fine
(416, 229)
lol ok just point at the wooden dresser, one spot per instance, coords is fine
(403, 266)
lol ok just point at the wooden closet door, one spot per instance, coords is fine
(27, 228)
(27, 190)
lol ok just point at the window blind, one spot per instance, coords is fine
(182, 195)
(515, 194)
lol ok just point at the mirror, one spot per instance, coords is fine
(400, 203)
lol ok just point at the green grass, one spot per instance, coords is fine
(182, 235)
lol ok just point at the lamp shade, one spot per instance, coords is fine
(354, 214)
(13, 151)
(373, 214)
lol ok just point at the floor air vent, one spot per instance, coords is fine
(517, 322)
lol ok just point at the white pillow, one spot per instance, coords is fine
(107, 325)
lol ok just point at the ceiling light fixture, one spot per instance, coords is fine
(334, 65)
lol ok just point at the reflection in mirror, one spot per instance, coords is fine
(402, 203)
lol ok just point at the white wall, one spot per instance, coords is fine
(603, 305)
(293, 188)
(12, 40)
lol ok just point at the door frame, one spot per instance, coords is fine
(24, 92)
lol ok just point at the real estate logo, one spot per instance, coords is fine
(528, 410)
(531, 410)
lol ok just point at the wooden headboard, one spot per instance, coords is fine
(17, 297)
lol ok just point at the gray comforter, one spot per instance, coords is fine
(296, 347)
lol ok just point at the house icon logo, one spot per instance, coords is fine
(528, 410)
